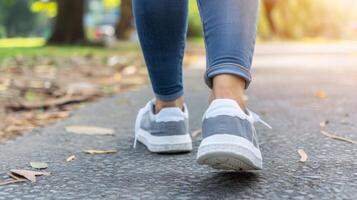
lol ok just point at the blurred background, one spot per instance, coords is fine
(56, 55)
(98, 20)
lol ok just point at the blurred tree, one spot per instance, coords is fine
(68, 28)
(296, 19)
(16, 18)
(124, 26)
(269, 5)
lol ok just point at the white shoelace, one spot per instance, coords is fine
(135, 140)
(256, 118)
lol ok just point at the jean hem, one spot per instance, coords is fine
(229, 68)
(170, 97)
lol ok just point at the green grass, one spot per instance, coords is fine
(64, 51)
(21, 42)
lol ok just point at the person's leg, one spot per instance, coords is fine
(229, 138)
(229, 30)
(162, 27)
(162, 125)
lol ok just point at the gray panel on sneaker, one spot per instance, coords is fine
(164, 128)
(224, 124)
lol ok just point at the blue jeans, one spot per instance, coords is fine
(229, 28)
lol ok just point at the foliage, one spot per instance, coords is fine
(48, 7)
(18, 20)
(195, 25)
(2, 31)
(21, 42)
(296, 19)
(65, 51)
(20, 23)
(111, 4)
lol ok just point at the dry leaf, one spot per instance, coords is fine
(83, 89)
(117, 77)
(39, 165)
(11, 181)
(324, 123)
(92, 151)
(129, 70)
(321, 94)
(196, 133)
(16, 177)
(72, 157)
(303, 155)
(67, 99)
(28, 174)
(338, 137)
(89, 130)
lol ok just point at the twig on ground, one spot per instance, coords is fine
(338, 137)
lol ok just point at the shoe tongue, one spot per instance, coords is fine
(225, 107)
(226, 102)
(170, 114)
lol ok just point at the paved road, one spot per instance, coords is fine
(284, 96)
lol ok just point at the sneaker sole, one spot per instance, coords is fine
(229, 152)
(165, 144)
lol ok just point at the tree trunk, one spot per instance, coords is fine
(68, 27)
(124, 26)
(269, 6)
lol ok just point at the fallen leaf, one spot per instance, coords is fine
(129, 70)
(116, 60)
(338, 137)
(303, 155)
(321, 94)
(3, 87)
(324, 123)
(72, 157)
(11, 181)
(83, 89)
(39, 165)
(17, 177)
(92, 151)
(117, 77)
(52, 115)
(196, 133)
(89, 130)
(28, 174)
(67, 99)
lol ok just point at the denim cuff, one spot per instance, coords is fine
(228, 68)
(169, 97)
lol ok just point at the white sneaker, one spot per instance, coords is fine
(229, 140)
(164, 132)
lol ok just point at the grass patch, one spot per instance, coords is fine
(64, 51)
(21, 42)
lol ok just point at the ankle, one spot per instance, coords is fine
(229, 87)
(159, 104)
